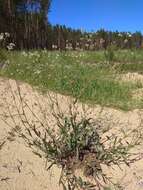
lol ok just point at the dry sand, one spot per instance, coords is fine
(20, 169)
(132, 77)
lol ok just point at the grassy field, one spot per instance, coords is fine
(89, 76)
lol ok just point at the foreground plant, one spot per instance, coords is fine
(78, 143)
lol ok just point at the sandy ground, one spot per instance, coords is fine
(20, 169)
(134, 78)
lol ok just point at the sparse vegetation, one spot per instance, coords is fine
(77, 143)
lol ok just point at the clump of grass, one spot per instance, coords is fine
(80, 143)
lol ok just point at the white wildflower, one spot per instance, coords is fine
(10, 46)
(37, 72)
(129, 35)
(1, 36)
(126, 41)
(24, 54)
(7, 35)
(120, 35)
(54, 46)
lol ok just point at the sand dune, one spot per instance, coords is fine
(20, 169)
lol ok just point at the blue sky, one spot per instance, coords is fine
(122, 15)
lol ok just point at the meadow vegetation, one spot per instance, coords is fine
(91, 76)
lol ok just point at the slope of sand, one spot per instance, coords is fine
(20, 169)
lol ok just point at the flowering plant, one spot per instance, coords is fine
(4, 45)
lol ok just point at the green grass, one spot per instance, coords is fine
(132, 67)
(80, 74)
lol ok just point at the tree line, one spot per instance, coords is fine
(26, 21)
(29, 28)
